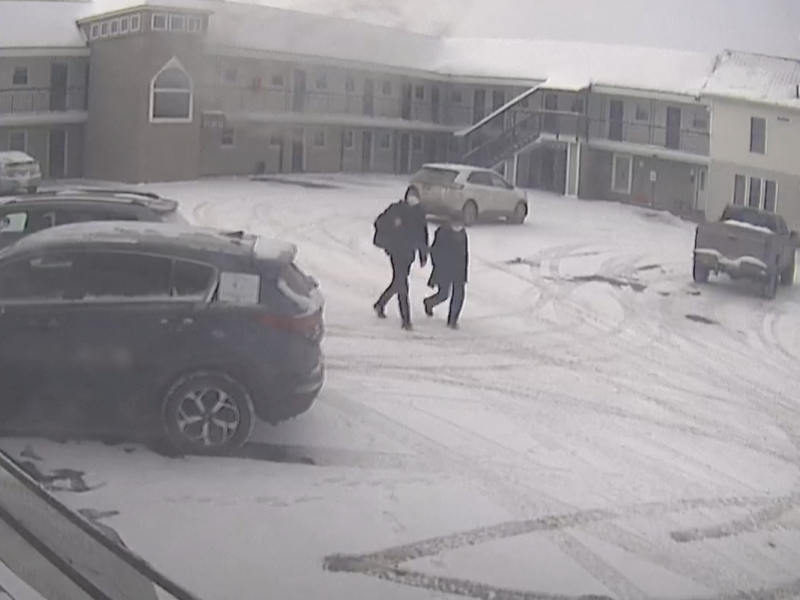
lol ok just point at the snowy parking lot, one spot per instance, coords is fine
(600, 425)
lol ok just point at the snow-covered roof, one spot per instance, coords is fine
(257, 25)
(756, 78)
(40, 24)
(571, 63)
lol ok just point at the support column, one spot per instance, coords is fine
(513, 168)
(573, 169)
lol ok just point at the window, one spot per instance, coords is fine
(114, 275)
(480, 178)
(500, 182)
(524, 103)
(18, 140)
(456, 97)
(275, 140)
(770, 196)
(319, 138)
(739, 187)
(622, 174)
(94, 31)
(135, 22)
(642, 114)
(104, 29)
(758, 135)
(230, 74)
(13, 223)
(416, 142)
(227, 139)
(171, 94)
(277, 81)
(387, 88)
(754, 193)
(350, 84)
(322, 82)
(577, 106)
(349, 139)
(41, 278)
(419, 92)
(195, 24)
(177, 23)
(124, 25)
(498, 99)
(20, 76)
(159, 23)
(385, 140)
(114, 27)
(700, 121)
(190, 279)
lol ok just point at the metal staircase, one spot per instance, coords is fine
(497, 149)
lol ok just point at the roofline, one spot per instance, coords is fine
(757, 101)
(142, 7)
(45, 51)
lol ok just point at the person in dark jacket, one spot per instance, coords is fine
(450, 258)
(402, 232)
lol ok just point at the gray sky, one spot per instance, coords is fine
(766, 26)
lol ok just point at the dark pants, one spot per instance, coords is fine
(449, 289)
(401, 268)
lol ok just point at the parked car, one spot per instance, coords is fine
(23, 215)
(470, 192)
(747, 243)
(19, 172)
(198, 330)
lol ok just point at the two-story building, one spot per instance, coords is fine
(159, 90)
(755, 149)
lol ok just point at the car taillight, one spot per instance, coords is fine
(309, 326)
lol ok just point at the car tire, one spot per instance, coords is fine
(520, 214)
(199, 409)
(700, 274)
(469, 213)
(787, 275)
(770, 287)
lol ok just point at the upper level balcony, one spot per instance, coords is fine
(316, 105)
(31, 106)
(677, 139)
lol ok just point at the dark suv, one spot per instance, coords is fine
(24, 215)
(201, 329)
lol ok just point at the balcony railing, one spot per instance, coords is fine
(41, 100)
(526, 127)
(689, 140)
(318, 102)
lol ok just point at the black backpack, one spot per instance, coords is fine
(383, 229)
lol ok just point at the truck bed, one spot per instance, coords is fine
(734, 247)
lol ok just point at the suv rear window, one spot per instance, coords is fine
(434, 176)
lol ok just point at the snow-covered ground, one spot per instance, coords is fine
(599, 425)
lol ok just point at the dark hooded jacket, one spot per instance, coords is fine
(402, 229)
(450, 256)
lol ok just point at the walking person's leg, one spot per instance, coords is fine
(435, 299)
(391, 290)
(403, 270)
(456, 304)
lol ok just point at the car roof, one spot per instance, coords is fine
(456, 167)
(110, 196)
(186, 239)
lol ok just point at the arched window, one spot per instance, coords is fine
(171, 95)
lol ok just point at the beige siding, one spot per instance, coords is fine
(731, 127)
(721, 183)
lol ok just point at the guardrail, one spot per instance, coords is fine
(96, 567)
(39, 100)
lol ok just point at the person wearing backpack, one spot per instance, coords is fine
(450, 258)
(402, 232)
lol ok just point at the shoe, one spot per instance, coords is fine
(408, 327)
(428, 308)
(379, 310)
(453, 326)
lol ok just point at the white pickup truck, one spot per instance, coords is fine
(747, 243)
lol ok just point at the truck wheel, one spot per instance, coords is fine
(700, 273)
(787, 275)
(770, 289)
